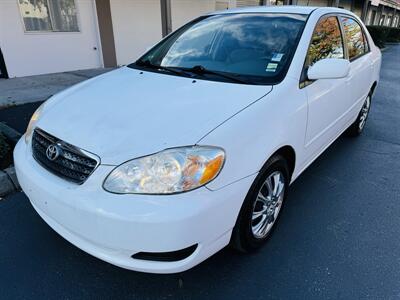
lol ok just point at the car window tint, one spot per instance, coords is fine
(326, 41)
(355, 40)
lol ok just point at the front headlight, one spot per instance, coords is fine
(32, 123)
(170, 171)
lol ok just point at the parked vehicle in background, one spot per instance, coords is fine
(158, 165)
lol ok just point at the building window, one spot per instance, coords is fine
(49, 15)
(277, 2)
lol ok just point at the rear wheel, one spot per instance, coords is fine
(357, 127)
(262, 206)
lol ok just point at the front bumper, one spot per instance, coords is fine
(114, 227)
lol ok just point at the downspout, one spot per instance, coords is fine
(166, 20)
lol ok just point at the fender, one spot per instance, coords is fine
(283, 115)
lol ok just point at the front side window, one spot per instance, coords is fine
(355, 39)
(255, 47)
(49, 15)
(326, 41)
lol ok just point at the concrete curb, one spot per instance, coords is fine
(12, 104)
(10, 133)
(8, 178)
(28, 89)
(10, 171)
(8, 182)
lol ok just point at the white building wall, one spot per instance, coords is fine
(312, 3)
(244, 3)
(136, 27)
(183, 11)
(346, 4)
(28, 53)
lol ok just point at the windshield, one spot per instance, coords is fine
(255, 48)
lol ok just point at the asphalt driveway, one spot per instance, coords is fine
(338, 238)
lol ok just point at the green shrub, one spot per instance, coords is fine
(393, 35)
(384, 34)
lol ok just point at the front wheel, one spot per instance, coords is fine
(262, 206)
(357, 127)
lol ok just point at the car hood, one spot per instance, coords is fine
(128, 113)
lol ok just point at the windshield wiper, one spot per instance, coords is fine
(147, 63)
(200, 70)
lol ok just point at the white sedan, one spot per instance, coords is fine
(160, 164)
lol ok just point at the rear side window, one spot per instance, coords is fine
(326, 41)
(355, 39)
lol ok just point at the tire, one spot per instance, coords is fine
(358, 126)
(247, 234)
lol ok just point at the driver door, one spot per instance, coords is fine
(327, 98)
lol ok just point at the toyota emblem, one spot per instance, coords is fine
(53, 151)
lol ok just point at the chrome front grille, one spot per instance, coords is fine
(67, 161)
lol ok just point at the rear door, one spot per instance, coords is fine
(327, 98)
(361, 68)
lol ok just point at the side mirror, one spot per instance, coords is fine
(329, 68)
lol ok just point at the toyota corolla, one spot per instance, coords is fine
(158, 165)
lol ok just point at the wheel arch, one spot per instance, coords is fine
(373, 87)
(289, 154)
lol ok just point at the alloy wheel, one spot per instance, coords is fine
(268, 204)
(364, 113)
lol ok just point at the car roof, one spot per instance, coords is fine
(305, 10)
